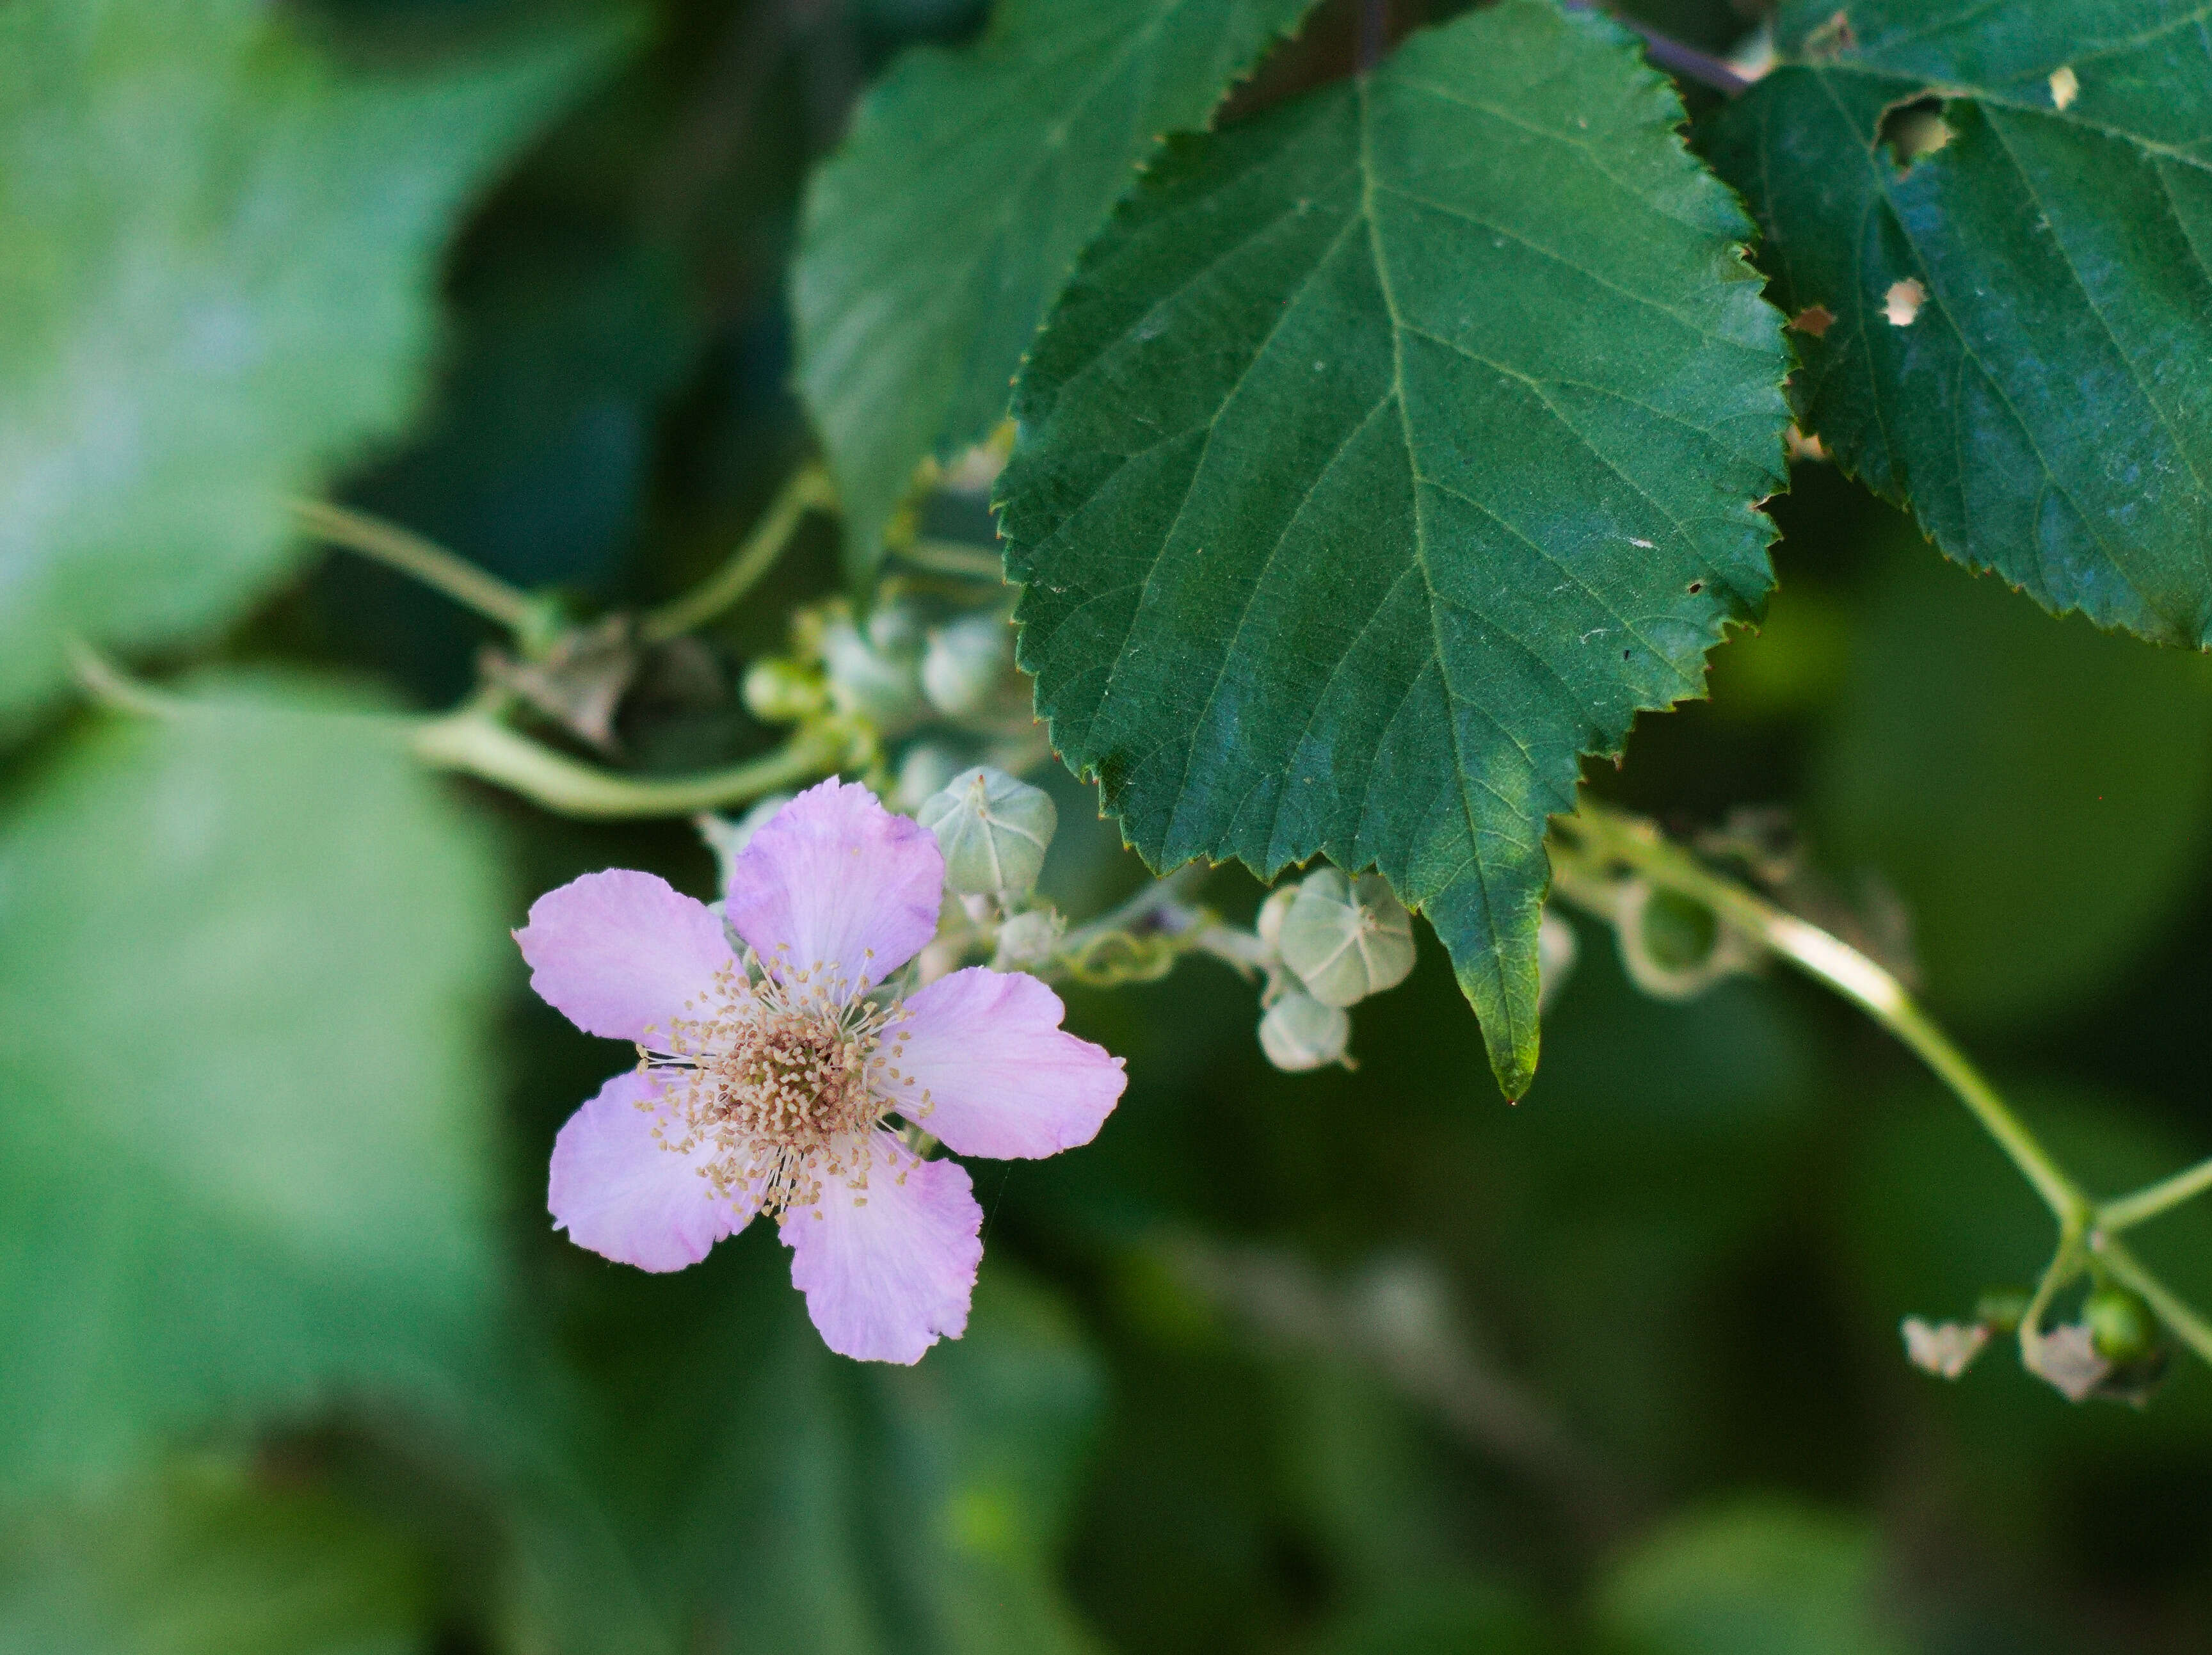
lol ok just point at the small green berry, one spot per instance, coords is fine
(2122, 1327)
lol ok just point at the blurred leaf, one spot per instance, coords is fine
(219, 285)
(1654, 1159)
(2016, 318)
(1465, 1618)
(2039, 793)
(242, 1043)
(1764, 1577)
(202, 1561)
(937, 237)
(786, 1499)
(1388, 453)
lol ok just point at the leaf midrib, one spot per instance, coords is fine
(1515, 1036)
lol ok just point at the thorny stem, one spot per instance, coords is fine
(809, 489)
(1672, 55)
(1592, 844)
(411, 554)
(474, 744)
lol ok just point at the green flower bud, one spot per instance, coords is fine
(994, 830)
(877, 681)
(2122, 1327)
(1269, 925)
(1556, 948)
(1299, 1033)
(966, 663)
(925, 768)
(893, 629)
(1346, 938)
(2002, 1309)
(1028, 939)
(781, 691)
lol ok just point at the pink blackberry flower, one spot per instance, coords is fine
(766, 1083)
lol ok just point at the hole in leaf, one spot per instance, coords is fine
(1901, 304)
(1915, 129)
(1696, 586)
(2065, 86)
(1816, 319)
(1804, 445)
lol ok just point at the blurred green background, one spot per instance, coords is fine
(1349, 1364)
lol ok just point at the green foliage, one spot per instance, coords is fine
(1339, 1362)
(935, 240)
(1763, 1578)
(780, 1498)
(243, 1162)
(220, 283)
(1389, 453)
(2041, 796)
(2033, 395)
(201, 1560)
(1445, 1619)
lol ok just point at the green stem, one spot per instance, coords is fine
(1166, 892)
(2126, 1212)
(2123, 1267)
(2065, 1265)
(1831, 960)
(411, 554)
(809, 489)
(111, 686)
(954, 558)
(477, 746)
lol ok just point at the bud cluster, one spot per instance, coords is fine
(1327, 943)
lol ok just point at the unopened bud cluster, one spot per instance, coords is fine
(1327, 943)
(910, 669)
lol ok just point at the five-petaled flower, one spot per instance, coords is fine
(765, 1082)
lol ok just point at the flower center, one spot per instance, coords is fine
(780, 1084)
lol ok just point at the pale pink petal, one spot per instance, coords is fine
(1001, 1077)
(617, 1189)
(835, 886)
(889, 1269)
(620, 951)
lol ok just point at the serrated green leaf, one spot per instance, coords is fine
(221, 252)
(2037, 395)
(243, 1158)
(1390, 452)
(935, 240)
(201, 1560)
